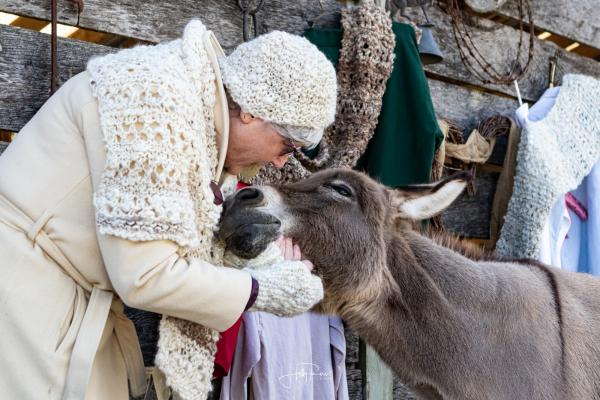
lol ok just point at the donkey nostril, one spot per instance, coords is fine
(249, 195)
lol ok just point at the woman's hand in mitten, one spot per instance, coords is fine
(287, 288)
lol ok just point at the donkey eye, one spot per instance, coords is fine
(341, 188)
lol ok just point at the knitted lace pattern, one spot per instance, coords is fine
(365, 65)
(156, 105)
(554, 156)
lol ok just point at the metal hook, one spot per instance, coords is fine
(553, 66)
(249, 10)
(518, 92)
(79, 9)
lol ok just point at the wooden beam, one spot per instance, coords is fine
(146, 21)
(25, 66)
(469, 215)
(157, 21)
(467, 106)
(378, 378)
(29, 23)
(578, 20)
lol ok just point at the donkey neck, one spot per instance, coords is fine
(433, 287)
(430, 276)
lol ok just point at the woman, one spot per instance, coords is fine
(109, 195)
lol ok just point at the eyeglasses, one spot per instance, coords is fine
(290, 148)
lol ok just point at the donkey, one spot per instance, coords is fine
(450, 327)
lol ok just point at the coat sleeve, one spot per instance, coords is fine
(151, 275)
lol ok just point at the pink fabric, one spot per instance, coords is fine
(241, 185)
(575, 205)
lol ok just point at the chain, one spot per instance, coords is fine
(472, 58)
(54, 73)
(53, 47)
(249, 10)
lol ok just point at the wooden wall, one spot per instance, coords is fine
(456, 94)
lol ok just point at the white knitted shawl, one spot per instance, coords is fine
(156, 114)
(554, 156)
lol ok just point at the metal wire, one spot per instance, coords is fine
(476, 62)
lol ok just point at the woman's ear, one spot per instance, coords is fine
(246, 117)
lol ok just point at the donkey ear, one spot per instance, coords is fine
(419, 202)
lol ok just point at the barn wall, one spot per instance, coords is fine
(456, 94)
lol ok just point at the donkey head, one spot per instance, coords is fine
(342, 220)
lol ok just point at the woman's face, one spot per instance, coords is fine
(252, 142)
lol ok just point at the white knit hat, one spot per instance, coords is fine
(283, 79)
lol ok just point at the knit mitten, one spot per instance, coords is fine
(286, 288)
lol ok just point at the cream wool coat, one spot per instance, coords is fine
(51, 258)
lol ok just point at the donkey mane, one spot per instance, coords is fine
(456, 243)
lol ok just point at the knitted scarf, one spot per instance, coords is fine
(554, 156)
(365, 64)
(156, 114)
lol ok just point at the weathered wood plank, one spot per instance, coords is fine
(353, 372)
(354, 378)
(378, 378)
(485, 5)
(466, 107)
(147, 21)
(498, 44)
(470, 215)
(25, 71)
(578, 20)
(401, 392)
(157, 20)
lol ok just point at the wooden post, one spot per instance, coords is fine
(377, 377)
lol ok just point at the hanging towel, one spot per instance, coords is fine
(299, 358)
(402, 148)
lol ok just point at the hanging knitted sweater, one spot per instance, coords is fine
(554, 155)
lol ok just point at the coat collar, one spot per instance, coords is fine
(221, 108)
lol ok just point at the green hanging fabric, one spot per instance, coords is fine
(328, 40)
(402, 148)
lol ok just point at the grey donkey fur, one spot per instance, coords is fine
(451, 327)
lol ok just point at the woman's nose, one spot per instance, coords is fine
(249, 196)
